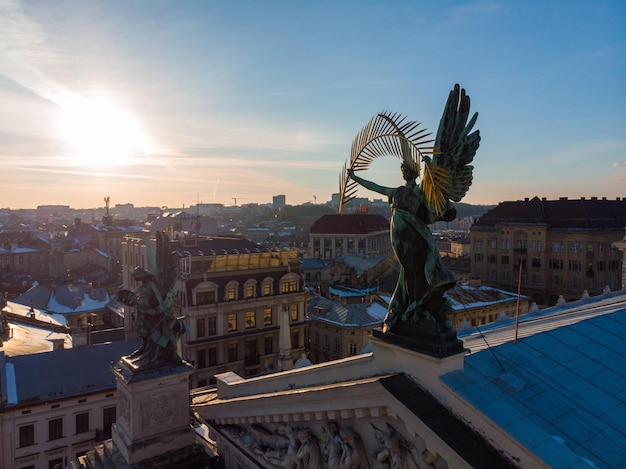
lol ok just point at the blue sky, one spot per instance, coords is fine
(166, 103)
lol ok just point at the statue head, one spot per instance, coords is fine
(408, 173)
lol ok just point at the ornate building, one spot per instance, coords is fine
(243, 305)
(565, 247)
(360, 233)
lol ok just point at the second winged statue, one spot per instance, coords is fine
(442, 164)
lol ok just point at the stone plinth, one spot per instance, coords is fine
(152, 412)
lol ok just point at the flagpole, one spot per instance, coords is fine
(519, 289)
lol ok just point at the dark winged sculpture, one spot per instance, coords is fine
(155, 321)
(443, 166)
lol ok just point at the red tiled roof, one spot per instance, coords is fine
(357, 223)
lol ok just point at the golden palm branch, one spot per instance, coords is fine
(389, 134)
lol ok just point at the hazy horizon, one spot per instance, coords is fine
(159, 103)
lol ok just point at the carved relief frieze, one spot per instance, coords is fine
(332, 444)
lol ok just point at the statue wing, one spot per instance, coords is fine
(386, 134)
(166, 264)
(456, 145)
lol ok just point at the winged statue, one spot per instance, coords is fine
(442, 164)
(153, 299)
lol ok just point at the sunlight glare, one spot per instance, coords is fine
(101, 133)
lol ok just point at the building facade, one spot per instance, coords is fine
(57, 405)
(360, 233)
(339, 329)
(564, 247)
(243, 305)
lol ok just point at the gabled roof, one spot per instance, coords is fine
(355, 223)
(360, 314)
(357, 262)
(564, 213)
(70, 298)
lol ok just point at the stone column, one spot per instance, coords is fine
(285, 362)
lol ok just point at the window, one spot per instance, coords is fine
(251, 357)
(491, 258)
(200, 327)
(212, 356)
(556, 264)
(232, 322)
(478, 243)
(536, 262)
(212, 325)
(575, 266)
(250, 319)
(492, 244)
(504, 260)
(575, 247)
(613, 264)
(316, 338)
(232, 352)
(352, 348)
(55, 429)
(295, 339)
(56, 463)
(326, 341)
(231, 292)
(27, 435)
(537, 246)
(201, 359)
(556, 280)
(600, 266)
(536, 279)
(250, 290)
(205, 297)
(337, 345)
(108, 419)
(269, 345)
(82, 422)
(478, 257)
(289, 286)
(293, 312)
(505, 243)
(267, 316)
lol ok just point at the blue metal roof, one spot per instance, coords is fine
(560, 390)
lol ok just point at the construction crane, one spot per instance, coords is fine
(236, 199)
(314, 199)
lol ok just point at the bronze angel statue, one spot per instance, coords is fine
(443, 166)
(155, 322)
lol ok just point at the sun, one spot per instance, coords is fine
(101, 133)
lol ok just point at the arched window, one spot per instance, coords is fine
(290, 283)
(205, 294)
(232, 291)
(268, 286)
(249, 289)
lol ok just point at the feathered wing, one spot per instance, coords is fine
(456, 145)
(386, 134)
(166, 263)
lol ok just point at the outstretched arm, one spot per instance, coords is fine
(388, 191)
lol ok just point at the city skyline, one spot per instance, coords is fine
(161, 104)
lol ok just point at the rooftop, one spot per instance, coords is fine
(561, 388)
(563, 213)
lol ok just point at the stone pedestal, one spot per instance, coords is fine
(426, 340)
(152, 412)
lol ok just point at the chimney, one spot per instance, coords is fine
(58, 344)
